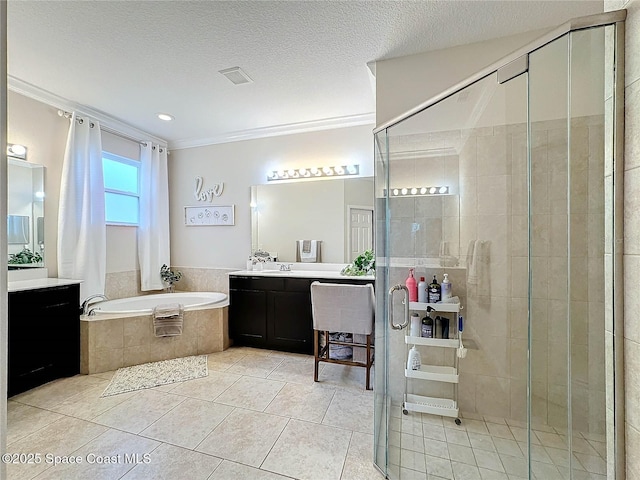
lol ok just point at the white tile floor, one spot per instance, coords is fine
(427, 447)
(258, 415)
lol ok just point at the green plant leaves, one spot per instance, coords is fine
(364, 264)
(24, 256)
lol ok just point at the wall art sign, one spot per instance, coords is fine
(207, 195)
(210, 215)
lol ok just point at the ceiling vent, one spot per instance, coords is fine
(236, 75)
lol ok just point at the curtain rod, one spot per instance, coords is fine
(64, 114)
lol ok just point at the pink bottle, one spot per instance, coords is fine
(412, 286)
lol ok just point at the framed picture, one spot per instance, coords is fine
(209, 215)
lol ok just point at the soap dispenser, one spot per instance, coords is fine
(412, 286)
(445, 288)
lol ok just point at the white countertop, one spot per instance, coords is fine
(324, 274)
(35, 283)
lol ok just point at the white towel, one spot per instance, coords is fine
(478, 266)
(308, 250)
(472, 263)
(168, 320)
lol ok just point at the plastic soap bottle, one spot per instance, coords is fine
(414, 361)
(422, 290)
(446, 288)
(434, 291)
(412, 286)
(427, 325)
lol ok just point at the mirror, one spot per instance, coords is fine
(337, 212)
(25, 213)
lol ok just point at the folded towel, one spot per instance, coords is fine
(308, 251)
(472, 263)
(168, 320)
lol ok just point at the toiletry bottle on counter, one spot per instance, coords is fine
(427, 325)
(422, 290)
(434, 291)
(415, 325)
(412, 286)
(446, 288)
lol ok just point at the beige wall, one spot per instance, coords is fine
(632, 234)
(405, 82)
(240, 165)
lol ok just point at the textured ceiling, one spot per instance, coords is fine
(132, 59)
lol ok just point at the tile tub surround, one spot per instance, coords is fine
(127, 284)
(108, 342)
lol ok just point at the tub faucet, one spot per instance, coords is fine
(285, 267)
(85, 305)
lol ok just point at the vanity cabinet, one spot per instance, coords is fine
(44, 336)
(274, 312)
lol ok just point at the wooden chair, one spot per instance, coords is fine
(343, 308)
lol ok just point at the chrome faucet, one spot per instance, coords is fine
(285, 267)
(85, 304)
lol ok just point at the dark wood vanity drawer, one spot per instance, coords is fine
(256, 283)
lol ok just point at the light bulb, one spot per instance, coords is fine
(303, 172)
(444, 189)
(327, 171)
(395, 191)
(292, 172)
(339, 170)
(165, 116)
(17, 149)
(352, 169)
(433, 190)
(414, 191)
(273, 174)
(423, 190)
(281, 173)
(315, 171)
(405, 191)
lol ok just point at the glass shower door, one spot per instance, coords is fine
(452, 199)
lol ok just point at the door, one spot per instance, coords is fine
(360, 231)
(455, 203)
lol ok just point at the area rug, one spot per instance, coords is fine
(147, 375)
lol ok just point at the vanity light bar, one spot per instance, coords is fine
(315, 172)
(418, 191)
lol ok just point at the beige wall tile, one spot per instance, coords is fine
(109, 333)
(493, 395)
(493, 155)
(632, 37)
(137, 330)
(107, 359)
(494, 194)
(632, 298)
(632, 383)
(136, 355)
(631, 209)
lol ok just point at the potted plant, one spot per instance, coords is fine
(169, 277)
(24, 257)
(364, 264)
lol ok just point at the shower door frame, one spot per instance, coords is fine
(510, 66)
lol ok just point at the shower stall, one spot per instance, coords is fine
(511, 183)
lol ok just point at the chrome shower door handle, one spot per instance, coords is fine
(405, 301)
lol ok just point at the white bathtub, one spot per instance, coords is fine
(145, 303)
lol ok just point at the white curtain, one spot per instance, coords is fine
(153, 230)
(82, 253)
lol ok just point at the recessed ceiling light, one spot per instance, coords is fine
(165, 116)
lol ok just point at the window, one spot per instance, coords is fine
(121, 189)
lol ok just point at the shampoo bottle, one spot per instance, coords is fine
(434, 291)
(446, 288)
(412, 286)
(422, 290)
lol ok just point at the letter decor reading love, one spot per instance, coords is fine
(207, 195)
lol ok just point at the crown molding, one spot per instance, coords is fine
(277, 130)
(36, 93)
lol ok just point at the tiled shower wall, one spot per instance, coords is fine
(127, 284)
(490, 175)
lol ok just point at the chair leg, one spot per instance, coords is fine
(315, 355)
(368, 362)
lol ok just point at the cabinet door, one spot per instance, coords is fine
(290, 326)
(247, 317)
(44, 336)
